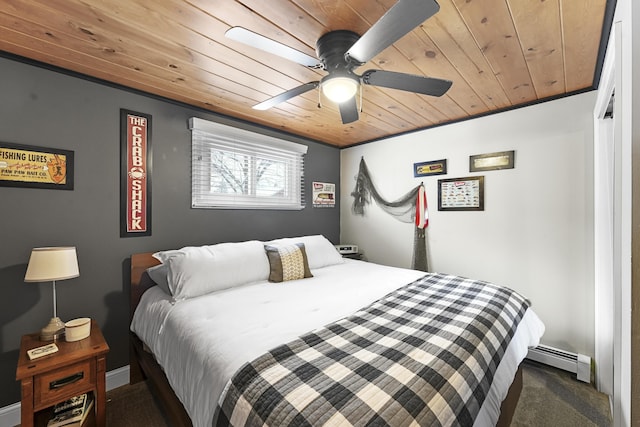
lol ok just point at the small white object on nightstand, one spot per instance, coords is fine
(347, 249)
(45, 350)
(77, 329)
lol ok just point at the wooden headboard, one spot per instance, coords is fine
(140, 281)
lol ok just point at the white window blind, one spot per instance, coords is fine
(233, 168)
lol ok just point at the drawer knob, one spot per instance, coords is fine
(64, 381)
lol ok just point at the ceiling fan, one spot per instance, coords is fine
(341, 51)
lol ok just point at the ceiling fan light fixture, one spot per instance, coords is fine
(339, 88)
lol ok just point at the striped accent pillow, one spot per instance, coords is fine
(287, 262)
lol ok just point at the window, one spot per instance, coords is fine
(233, 168)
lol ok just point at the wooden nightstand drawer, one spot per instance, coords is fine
(55, 386)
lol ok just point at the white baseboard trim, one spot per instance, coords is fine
(117, 377)
(10, 415)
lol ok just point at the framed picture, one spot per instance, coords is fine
(491, 161)
(35, 167)
(324, 194)
(461, 194)
(135, 174)
(436, 167)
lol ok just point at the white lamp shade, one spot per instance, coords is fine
(340, 88)
(47, 264)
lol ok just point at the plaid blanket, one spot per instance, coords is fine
(424, 355)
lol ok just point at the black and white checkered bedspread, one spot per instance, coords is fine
(424, 355)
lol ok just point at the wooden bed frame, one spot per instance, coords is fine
(143, 365)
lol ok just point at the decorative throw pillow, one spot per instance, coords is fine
(287, 262)
(320, 251)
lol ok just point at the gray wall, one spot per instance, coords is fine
(46, 108)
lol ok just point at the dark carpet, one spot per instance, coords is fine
(133, 406)
(553, 397)
(550, 397)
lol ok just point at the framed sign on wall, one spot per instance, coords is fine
(324, 194)
(434, 167)
(492, 161)
(461, 194)
(35, 167)
(135, 174)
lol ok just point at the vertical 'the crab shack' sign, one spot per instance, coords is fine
(135, 174)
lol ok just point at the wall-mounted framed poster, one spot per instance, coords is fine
(35, 167)
(324, 194)
(135, 174)
(492, 161)
(434, 167)
(461, 194)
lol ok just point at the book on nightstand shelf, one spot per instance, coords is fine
(72, 412)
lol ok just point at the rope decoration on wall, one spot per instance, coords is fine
(403, 209)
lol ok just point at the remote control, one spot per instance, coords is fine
(45, 350)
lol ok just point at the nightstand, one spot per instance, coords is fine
(77, 367)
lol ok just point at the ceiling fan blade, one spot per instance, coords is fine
(261, 42)
(403, 17)
(285, 96)
(408, 82)
(349, 110)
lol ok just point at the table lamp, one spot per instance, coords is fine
(53, 264)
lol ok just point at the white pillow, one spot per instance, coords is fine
(195, 271)
(320, 251)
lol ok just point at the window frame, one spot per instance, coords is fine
(207, 136)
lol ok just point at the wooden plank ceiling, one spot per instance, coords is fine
(498, 53)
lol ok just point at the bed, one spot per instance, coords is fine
(225, 334)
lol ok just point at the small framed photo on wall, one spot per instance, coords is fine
(492, 161)
(434, 167)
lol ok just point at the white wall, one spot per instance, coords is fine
(536, 232)
(625, 268)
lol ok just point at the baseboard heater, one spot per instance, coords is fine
(579, 364)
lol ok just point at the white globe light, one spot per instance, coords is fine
(340, 88)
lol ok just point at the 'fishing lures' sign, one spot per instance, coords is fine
(35, 167)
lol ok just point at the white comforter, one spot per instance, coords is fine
(201, 342)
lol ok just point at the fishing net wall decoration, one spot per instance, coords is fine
(402, 209)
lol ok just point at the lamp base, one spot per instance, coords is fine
(53, 331)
